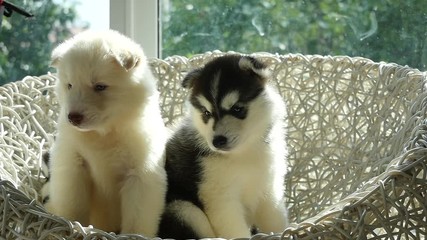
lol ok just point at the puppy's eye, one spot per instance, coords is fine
(207, 113)
(99, 87)
(236, 109)
(69, 86)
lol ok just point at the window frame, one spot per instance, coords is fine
(138, 20)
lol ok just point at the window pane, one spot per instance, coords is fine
(383, 30)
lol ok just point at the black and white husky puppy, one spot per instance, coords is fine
(226, 161)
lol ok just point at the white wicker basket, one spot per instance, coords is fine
(357, 132)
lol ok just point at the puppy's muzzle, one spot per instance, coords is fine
(75, 118)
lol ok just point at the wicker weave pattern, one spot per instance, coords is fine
(357, 132)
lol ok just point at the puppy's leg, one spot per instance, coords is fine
(69, 186)
(227, 217)
(271, 215)
(184, 220)
(193, 217)
(143, 198)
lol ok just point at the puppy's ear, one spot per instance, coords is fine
(58, 52)
(252, 64)
(189, 79)
(54, 60)
(127, 60)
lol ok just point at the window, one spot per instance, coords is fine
(139, 20)
(383, 30)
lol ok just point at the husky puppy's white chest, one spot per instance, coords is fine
(226, 162)
(240, 176)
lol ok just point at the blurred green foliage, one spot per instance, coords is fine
(26, 44)
(382, 30)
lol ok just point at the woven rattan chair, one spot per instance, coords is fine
(357, 133)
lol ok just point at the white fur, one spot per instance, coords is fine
(245, 63)
(197, 120)
(229, 100)
(245, 185)
(108, 170)
(205, 103)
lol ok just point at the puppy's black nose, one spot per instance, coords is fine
(219, 141)
(75, 118)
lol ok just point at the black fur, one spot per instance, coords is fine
(172, 227)
(232, 78)
(182, 157)
(46, 162)
(46, 173)
(188, 80)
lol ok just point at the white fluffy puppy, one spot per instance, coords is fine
(107, 165)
